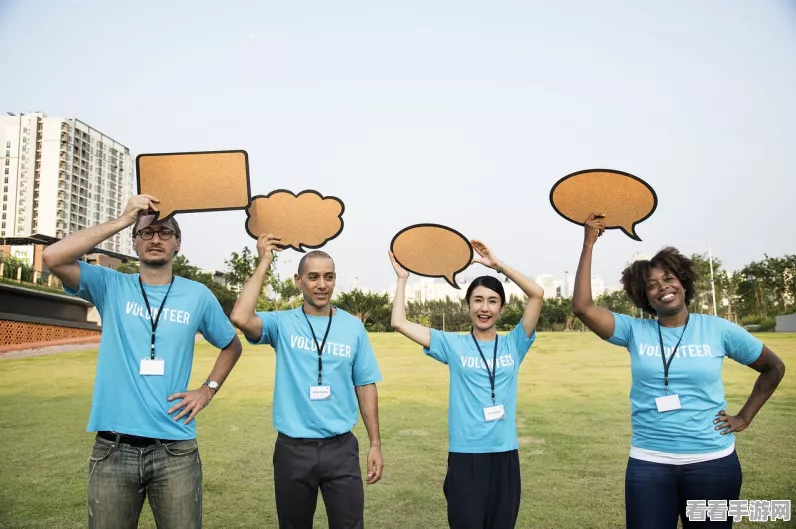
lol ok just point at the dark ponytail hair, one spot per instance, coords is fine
(489, 282)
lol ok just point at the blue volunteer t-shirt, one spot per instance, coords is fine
(470, 390)
(694, 375)
(348, 361)
(125, 401)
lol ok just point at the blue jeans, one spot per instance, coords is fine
(656, 494)
(120, 476)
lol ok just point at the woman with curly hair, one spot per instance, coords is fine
(683, 443)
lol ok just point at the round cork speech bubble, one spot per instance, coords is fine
(624, 199)
(432, 250)
(306, 220)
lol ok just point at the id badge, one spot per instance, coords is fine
(668, 403)
(494, 413)
(320, 392)
(152, 367)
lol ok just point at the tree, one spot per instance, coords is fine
(556, 315)
(362, 304)
(240, 267)
(703, 297)
(767, 287)
(512, 313)
(617, 302)
(128, 267)
(181, 267)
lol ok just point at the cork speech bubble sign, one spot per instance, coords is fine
(432, 250)
(189, 182)
(306, 220)
(626, 200)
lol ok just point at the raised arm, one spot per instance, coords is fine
(244, 313)
(414, 331)
(61, 258)
(598, 319)
(535, 293)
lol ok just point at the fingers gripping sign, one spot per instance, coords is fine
(594, 227)
(267, 244)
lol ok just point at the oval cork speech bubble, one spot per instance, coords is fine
(306, 220)
(626, 200)
(188, 182)
(432, 250)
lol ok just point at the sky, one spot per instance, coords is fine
(457, 113)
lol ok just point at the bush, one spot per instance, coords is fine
(12, 264)
(758, 324)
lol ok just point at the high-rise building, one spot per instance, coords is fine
(60, 175)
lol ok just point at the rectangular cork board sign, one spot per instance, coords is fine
(190, 182)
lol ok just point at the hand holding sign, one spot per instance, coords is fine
(306, 220)
(432, 250)
(623, 199)
(194, 181)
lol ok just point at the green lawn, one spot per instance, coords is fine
(573, 423)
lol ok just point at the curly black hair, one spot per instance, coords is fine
(634, 277)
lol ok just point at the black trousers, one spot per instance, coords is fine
(483, 490)
(302, 466)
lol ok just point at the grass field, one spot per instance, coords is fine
(573, 423)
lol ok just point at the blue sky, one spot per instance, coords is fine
(459, 113)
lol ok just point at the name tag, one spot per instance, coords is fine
(668, 403)
(152, 367)
(494, 413)
(320, 392)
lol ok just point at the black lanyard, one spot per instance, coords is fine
(323, 343)
(674, 351)
(154, 320)
(494, 364)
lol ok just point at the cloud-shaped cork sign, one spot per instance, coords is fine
(306, 220)
(189, 182)
(432, 250)
(626, 200)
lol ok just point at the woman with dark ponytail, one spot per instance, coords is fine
(482, 484)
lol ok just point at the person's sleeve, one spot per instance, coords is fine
(519, 341)
(94, 281)
(739, 344)
(366, 369)
(623, 330)
(215, 325)
(270, 333)
(439, 346)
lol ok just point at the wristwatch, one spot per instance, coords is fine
(212, 384)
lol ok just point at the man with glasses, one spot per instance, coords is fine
(142, 409)
(325, 366)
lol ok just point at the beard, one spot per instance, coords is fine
(156, 263)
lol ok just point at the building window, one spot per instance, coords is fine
(8, 145)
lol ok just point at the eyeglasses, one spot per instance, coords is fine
(147, 233)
